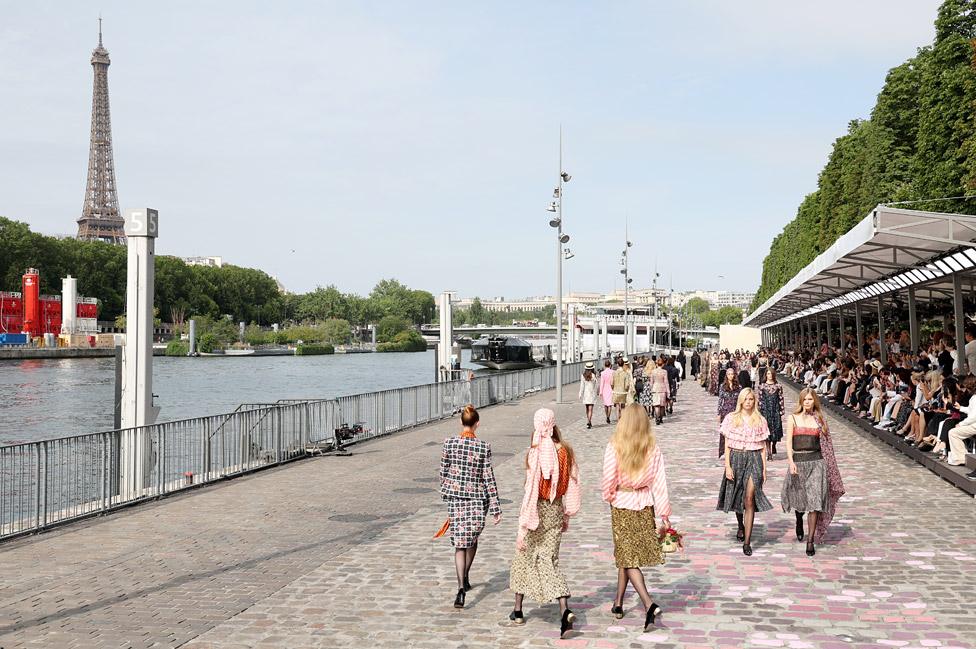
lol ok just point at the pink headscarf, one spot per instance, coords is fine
(543, 462)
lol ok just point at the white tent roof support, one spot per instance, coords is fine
(889, 250)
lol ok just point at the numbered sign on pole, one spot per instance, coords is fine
(142, 222)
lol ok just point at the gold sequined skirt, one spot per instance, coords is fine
(635, 540)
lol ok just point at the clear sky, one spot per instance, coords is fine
(342, 143)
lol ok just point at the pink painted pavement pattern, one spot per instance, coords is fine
(898, 568)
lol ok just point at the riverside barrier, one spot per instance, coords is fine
(55, 481)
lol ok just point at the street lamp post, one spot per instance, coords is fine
(556, 206)
(625, 271)
(654, 325)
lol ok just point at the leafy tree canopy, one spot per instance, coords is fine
(919, 144)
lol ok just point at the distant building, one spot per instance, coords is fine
(738, 300)
(281, 287)
(216, 262)
(636, 297)
(715, 299)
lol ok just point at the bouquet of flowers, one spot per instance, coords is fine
(671, 540)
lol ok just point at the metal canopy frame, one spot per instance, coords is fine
(890, 250)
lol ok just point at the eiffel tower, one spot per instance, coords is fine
(100, 219)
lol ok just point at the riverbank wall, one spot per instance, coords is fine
(23, 353)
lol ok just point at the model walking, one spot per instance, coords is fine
(714, 365)
(588, 390)
(606, 388)
(728, 397)
(660, 389)
(646, 396)
(813, 482)
(468, 487)
(635, 486)
(741, 491)
(772, 407)
(552, 496)
(623, 385)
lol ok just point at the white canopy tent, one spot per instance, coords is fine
(927, 255)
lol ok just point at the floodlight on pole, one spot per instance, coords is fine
(556, 206)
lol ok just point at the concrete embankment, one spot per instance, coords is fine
(22, 353)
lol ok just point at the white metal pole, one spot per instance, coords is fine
(445, 343)
(654, 297)
(141, 229)
(559, 278)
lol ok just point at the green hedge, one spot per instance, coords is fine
(177, 348)
(405, 341)
(313, 350)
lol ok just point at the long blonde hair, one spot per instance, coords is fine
(633, 440)
(817, 410)
(755, 417)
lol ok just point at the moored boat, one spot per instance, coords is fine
(509, 353)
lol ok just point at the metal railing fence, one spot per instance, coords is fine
(58, 480)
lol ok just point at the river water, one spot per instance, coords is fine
(44, 399)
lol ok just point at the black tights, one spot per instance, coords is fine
(636, 579)
(463, 558)
(811, 524)
(748, 515)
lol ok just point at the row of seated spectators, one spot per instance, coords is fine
(916, 396)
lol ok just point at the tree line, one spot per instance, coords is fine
(918, 144)
(184, 291)
(701, 309)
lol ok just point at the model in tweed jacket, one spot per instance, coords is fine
(466, 471)
(468, 487)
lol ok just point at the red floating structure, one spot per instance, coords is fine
(35, 314)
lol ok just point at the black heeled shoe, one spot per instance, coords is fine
(467, 585)
(747, 549)
(566, 622)
(799, 528)
(740, 536)
(459, 600)
(617, 611)
(810, 549)
(652, 612)
(517, 617)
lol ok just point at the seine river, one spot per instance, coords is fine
(43, 399)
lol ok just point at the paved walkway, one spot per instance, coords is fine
(336, 552)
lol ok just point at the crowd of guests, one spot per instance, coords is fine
(917, 394)
(750, 409)
(640, 391)
(649, 380)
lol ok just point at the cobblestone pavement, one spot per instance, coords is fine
(337, 552)
(161, 574)
(897, 570)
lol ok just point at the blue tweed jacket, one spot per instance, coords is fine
(466, 472)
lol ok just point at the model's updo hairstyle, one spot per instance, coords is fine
(469, 416)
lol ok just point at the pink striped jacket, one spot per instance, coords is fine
(650, 490)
